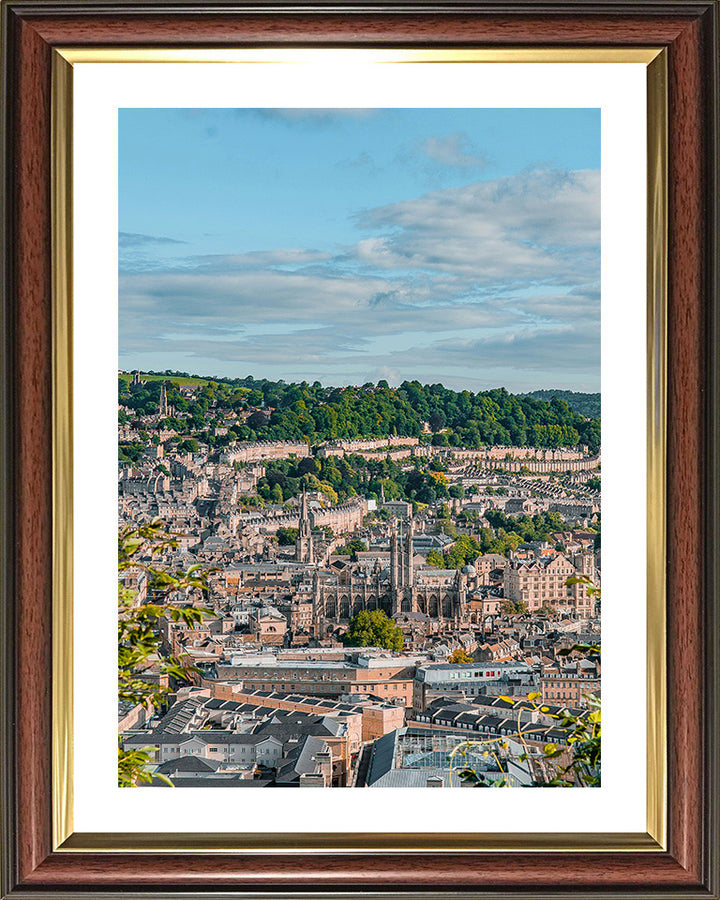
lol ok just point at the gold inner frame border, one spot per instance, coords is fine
(64, 837)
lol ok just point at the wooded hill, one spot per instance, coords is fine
(585, 404)
(313, 412)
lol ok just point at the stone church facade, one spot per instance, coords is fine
(447, 596)
(396, 588)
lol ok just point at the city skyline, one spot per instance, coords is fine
(346, 246)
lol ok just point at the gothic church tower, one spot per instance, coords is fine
(163, 413)
(304, 543)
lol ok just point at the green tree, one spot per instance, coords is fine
(435, 558)
(354, 545)
(286, 536)
(373, 628)
(464, 552)
(514, 608)
(329, 491)
(460, 656)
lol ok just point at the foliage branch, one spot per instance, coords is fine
(584, 733)
(138, 637)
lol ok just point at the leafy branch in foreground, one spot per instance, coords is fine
(138, 635)
(133, 768)
(583, 740)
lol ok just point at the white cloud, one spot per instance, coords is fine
(312, 115)
(537, 226)
(132, 240)
(494, 276)
(259, 259)
(453, 150)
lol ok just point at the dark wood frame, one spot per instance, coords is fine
(689, 31)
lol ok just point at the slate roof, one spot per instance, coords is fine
(206, 737)
(170, 726)
(394, 778)
(301, 760)
(216, 781)
(382, 757)
(188, 764)
(297, 722)
(467, 718)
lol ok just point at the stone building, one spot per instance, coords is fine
(267, 625)
(571, 683)
(543, 582)
(399, 588)
(343, 517)
(253, 451)
(339, 448)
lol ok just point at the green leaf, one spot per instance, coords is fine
(164, 779)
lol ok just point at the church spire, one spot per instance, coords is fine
(163, 402)
(394, 580)
(409, 554)
(304, 543)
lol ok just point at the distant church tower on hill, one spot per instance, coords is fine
(163, 413)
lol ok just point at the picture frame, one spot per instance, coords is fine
(41, 856)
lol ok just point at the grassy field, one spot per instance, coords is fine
(175, 379)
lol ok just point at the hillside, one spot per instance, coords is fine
(181, 380)
(585, 404)
(268, 410)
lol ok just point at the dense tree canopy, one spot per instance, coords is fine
(585, 404)
(353, 546)
(316, 413)
(340, 478)
(506, 534)
(286, 536)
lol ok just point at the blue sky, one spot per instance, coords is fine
(451, 245)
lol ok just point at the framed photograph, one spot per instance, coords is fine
(357, 279)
